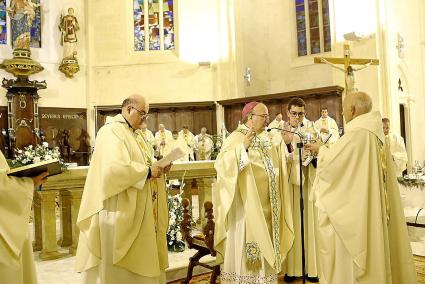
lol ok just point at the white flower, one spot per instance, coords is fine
(30, 147)
(27, 153)
(45, 144)
(47, 157)
(19, 151)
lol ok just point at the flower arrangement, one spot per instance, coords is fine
(31, 155)
(175, 214)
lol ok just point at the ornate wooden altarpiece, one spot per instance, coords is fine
(330, 97)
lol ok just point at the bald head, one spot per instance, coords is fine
(135, 109)
(355, 104)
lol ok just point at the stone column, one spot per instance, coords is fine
(49, 246)
(75, 203)
(204, 194)
(65, 218)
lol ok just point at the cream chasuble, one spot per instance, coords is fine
(330, 124)
(253, 231)
(16, 258)
(162, 140)
(275, 135)
(294, 259)
(398, 151)
(362, 232)
(203, 147)
(189, 140)
(123, 217)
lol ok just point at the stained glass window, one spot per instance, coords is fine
(139, 25)
(313, 26)
(154, 37)
(3, 22)
(168, 24)
(158, 34)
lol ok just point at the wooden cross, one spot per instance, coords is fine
(347, 61)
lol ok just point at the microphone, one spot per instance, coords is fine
(281, 129)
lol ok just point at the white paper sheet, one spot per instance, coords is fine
(175, 154)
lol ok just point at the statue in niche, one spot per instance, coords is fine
(68, 26)
(22, 14)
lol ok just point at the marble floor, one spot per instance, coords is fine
(61, 271)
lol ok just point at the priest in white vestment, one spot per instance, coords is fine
(253, 231)
(162, 139)
(362, 233)
(326, 126)
(275, 134)
(147, 134)
(123, 217)
(189, 141)
(16, 258)
(178, 142)
(300, 124)
(397, 147)
(203, 145)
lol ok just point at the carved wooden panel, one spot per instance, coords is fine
(174, 116)
(331, 97)
(66, 128)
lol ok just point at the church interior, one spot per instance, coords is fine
(198, 63)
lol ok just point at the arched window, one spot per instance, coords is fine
(158, 33)
(3, 22)
(313, 26)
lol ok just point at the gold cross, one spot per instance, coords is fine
(347, 61)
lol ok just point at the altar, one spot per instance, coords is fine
(61, 195)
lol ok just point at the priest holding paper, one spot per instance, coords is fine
(362, 234)
(397, 147)
(16, 258)
(123, 217)
(253, 231)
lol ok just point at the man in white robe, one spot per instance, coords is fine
(147, 134)
(326, 125)
(177, 142)
(16, 258)
(275, 134)
(253, 231)
(362, 233)
(203, 145)
(397, 147)
(189, 141)
(162, 139)
(300, 124)
(123, 217)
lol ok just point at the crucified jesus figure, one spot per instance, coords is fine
(349, 73)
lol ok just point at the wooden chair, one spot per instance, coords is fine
(203, 243)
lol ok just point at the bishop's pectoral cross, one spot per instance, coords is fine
(348, 69)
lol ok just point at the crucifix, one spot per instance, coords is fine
(348, 69)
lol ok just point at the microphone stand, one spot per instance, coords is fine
(300, 146)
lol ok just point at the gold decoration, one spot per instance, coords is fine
(21, 64)
(69, 67)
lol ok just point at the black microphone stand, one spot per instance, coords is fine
(300, 146)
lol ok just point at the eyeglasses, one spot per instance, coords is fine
(295, 114)
(141, 113)
(265, 115)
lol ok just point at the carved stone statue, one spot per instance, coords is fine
(69, 26)
(22, 14)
